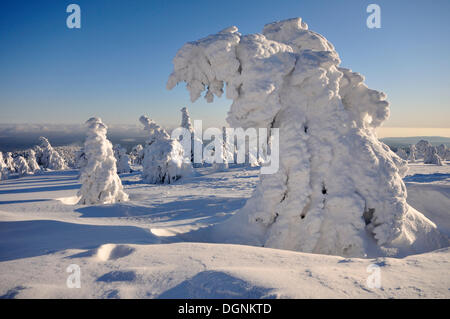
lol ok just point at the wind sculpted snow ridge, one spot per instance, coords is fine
(338, 190)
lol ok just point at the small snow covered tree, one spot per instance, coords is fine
(412, 154)
(3, 168)
(338, 189)
(50, 158)
(443, 151)
(9, 161)
(99, 179)
(21, 166)
(402, 153)
(431, 156)
(421, 148)
(123, 160)
(164, 161)
(195, 141)
(137, 154)
(31, 161)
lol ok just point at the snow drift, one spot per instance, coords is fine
(338, 190)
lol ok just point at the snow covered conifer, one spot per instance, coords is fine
(443, 151)
(164, 161)
(431, 156)
(123, 160)
(9, 161)
(137, 154)
(338, 189)
(187, 124)
(21, 166)
(99, 179)
(412, 154)
(402, 153)
(3, 168)
(31, 161)
(49, 157)
(421, 147)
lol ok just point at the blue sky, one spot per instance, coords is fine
(116, 66)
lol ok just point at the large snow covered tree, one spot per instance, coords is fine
(49, 157)
(338, 190)
(99, 179)
(164, 161)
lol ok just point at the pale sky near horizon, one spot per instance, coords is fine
(116, 66)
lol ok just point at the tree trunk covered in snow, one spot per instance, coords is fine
(338, 187)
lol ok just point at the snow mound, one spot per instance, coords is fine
(338, 188)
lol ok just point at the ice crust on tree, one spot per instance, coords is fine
(99, 179)
(49, 157)
(164, 161)
(338, 188)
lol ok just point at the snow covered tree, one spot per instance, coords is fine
(412, 154)
(137, 154)
(164, 161)
(431, 156)
(99, 179)
(31, 161)
(50, 158)
(401, 153)
(338, 188)
(122, 158)
(9, 161)
(443, 151)
(3, 168)
(421, 147)
(21, 166)
(195, 141)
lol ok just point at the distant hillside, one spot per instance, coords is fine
(405, 141)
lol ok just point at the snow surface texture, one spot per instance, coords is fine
(164, 161)
(159, 244)
(99, 179)
(338, 190)
(48, 157)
